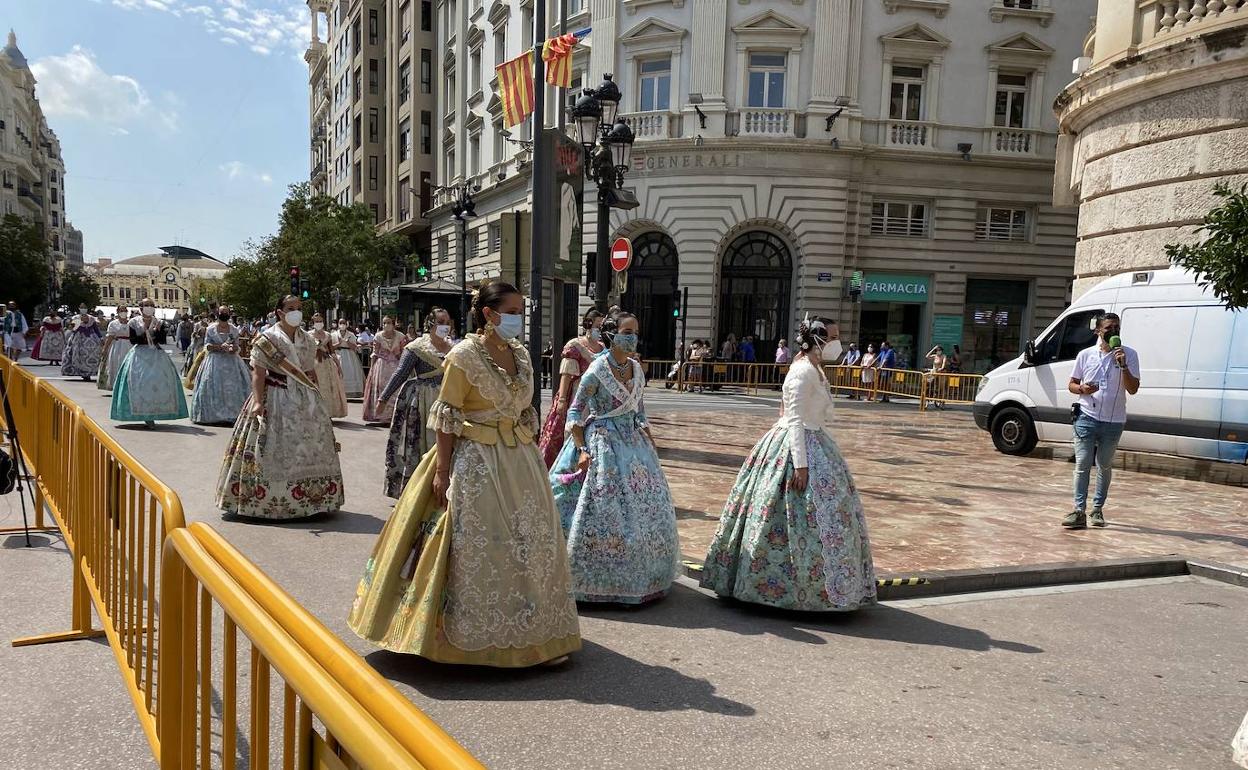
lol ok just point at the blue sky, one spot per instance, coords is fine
(181, 121)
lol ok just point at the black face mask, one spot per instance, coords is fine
(1111, 331)
(224, 316)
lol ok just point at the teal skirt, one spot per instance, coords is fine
(794, 550)
(148, 388)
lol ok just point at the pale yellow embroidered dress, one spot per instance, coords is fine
(486, 581)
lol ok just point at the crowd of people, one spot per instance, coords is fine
(502, 524)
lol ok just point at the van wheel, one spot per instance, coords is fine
(1013, 432)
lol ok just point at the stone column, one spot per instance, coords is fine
(829, 78)
(602, 40)
(710, 31)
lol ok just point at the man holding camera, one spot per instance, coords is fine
(1103, 376)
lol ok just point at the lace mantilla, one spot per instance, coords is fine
(509, 394)
(422, 347)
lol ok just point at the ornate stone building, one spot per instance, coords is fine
(32, 173)
(789, 151)
(1157, 118)
(168, 277)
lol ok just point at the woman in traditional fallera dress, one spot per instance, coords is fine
(224, 380)
(576, 357)
(613, 499)
(148, 387)
(116, 346)
(471, 567)
(328, 375)
(792, 534)
(347, 348)
(387, 347)
(82, 353)
(282, 461)
(50, 346)
(417, 381)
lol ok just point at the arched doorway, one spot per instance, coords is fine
(755, 279)
(654, 292)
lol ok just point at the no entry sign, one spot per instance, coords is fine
(621, 254)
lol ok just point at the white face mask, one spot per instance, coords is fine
(319, 325)
(148, 312)
(443, 331)
(831, 350)
(294, 317)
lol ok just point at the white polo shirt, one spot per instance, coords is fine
(1109, 402)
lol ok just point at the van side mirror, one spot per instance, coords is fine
(1029, 353)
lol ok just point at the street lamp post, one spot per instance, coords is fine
(607, 142)
(463, 208)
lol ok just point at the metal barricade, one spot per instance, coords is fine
(354, 732)
(23, 389)
(714, 375)
(661, 370)
(942, 388)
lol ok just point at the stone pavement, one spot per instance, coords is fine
(938, 495)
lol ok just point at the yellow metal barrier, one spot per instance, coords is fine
(950, 388)
(23, 389)
(193, 583)
(153, 583)
(419, 735)
(715, 375)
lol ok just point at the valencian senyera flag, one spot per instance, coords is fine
(557, 53)
(515, 88)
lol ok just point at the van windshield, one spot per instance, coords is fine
(1076, 332)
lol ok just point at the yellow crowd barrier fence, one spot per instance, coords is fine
(173, 602)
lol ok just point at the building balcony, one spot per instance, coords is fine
(315, 54)
(1024, 142)
(907, 134)
(759, 122)
(649, 126)
(26, 192)
(318, 172)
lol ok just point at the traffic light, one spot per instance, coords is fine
(294, 280)
(303, 289)
(676, 312)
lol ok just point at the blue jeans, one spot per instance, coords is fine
(1094, 440)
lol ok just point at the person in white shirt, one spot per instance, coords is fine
(1103, 377)
(792, 534)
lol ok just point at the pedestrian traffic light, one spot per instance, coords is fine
(303, 289)
(294, 280)
(676, 312)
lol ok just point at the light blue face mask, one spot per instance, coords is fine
(509, 325)
(595, 334)
(625, 343)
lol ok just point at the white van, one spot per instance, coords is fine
(1193, 397)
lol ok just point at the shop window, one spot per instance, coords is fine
(992, 324)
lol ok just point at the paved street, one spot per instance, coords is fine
(1076, 677)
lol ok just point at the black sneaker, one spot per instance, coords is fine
(1097, 519)
(1075, 520)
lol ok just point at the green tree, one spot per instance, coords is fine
(1221, 258)
(78, 289)
(23, 263)
(205, 293)
(254, 280)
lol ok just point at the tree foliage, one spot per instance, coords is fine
(23, 263)
(335, 247)
(1221, 258)
(79, 289)
(205, 293)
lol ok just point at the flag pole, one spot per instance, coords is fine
(543, 170)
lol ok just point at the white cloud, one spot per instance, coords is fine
(236, 170)
(75, 86)
(265, 26)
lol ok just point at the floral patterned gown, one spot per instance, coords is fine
(619, 518)
(329, 375)
(51, 343)
(794, 550)
(385, 360)
(576, 359)
(82, 354)
(484, 581)
(223, 381)
(283, 465)
(417, 381)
